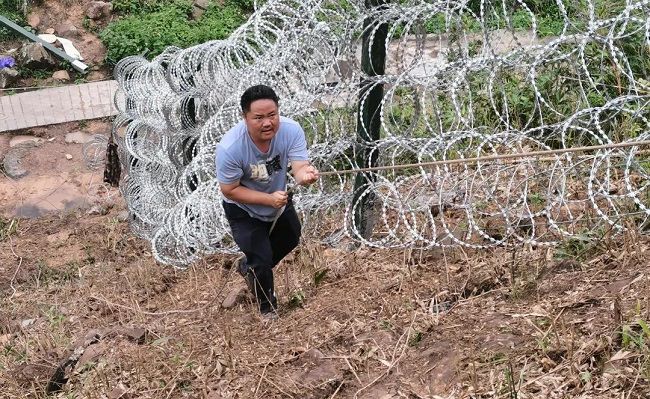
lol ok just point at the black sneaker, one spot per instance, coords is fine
(269, 316)
(243, 271)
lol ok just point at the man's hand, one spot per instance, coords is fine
(304, 173)
(278, 199)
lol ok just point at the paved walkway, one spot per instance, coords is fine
(57, 105)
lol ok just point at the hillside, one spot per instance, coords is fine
(379, 324)
(87, 312)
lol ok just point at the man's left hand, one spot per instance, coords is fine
(307, 175)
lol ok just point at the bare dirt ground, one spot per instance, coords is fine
(85, 312)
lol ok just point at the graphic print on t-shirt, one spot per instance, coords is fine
(273, 165)
(263, 171)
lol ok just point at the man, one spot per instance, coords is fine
(252, 162)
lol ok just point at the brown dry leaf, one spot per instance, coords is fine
(621, 355)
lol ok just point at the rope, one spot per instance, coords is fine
(529, 154)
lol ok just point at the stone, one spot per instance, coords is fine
(92, 353)
(199, 7)
(62, 76)
(26, 323)
(59, 237)
(91, 337)
(234, 296)
(135, 334)
(123, 216)
(13, 160)
(20, 140)
(68, 157)
(98, 210)
(313, 355)
(33, 20)
(67, 29)
(119, 392)
(35, 56)
(323, 373)
(49, 31)
(78, 138)
(8, 77)
(98, 9)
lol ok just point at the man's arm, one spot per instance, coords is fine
(238, 193)
(304, 173)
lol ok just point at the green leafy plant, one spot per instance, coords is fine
(415, 338)
(319, 275)
(12, 10)
(296, 299)
(152, 28)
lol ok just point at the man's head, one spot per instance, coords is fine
(259, 106)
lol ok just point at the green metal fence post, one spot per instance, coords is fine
(373, 57)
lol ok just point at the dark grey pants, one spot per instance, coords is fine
(263, 250)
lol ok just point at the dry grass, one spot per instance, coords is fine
(367, 324)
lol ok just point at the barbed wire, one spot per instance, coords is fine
(462, 80)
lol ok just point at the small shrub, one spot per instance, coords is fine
(153, 27)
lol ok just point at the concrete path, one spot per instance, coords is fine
(57, 105)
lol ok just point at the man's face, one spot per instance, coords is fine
(263, 120)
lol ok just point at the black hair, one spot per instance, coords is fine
(258, 92)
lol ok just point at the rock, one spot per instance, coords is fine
(325, 372)
(67, 29)
(19, 140)
(68, 157)
(123, 216)
(233, 297)
(26, 323)
(92, 353)
(313, 355)
(35, 56)
(61, 75)
(91, 337)
(47, 38)
(33, 20)
(98, 9)
(135, 334)
(199, 7)
(78, 138)
(119, 392)
(13, 160)
(49, 31)
(98, 210)
(7, 77)
(59, 237)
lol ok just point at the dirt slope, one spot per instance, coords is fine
(379, 324)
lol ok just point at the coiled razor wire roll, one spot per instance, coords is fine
(462, 80)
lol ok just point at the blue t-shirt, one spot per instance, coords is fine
(238, 159)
